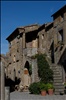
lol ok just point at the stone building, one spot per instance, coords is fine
(49, 38)
(4, 60)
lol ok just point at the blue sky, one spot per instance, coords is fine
(21, 13)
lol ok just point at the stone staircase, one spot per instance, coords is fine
(58, 80)
(57, 69)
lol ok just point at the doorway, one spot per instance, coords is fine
(27, 76)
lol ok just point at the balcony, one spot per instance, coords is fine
(30, 51)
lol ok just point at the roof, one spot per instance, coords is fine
(44, 26)
(49, 26)
(17, 30)
(59, 11)
(28, 26)
(12, 34)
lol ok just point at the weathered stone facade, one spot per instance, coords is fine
(48, 38)
(4, 60)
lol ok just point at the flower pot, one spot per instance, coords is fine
(43, 93)
(50, 91)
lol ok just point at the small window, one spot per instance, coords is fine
(19, 71)
(62, 17)
(60, 36)
(18, 36)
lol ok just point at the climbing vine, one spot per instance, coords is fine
(44, 71)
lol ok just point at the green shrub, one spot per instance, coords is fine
(34, 88)
(44, 71)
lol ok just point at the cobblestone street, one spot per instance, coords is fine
(26, 96)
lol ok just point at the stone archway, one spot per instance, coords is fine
(27, 65)
(27, 77)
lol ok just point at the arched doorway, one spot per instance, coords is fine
(27, 74)
(27, 65)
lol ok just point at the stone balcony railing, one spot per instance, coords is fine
(32, 51)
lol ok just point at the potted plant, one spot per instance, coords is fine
(43, 89)
(50, 88)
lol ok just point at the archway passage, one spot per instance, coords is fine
(27, 77)
(27, 65)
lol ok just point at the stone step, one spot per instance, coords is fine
(59, 89)
(56, 78)
(59, 86)
(58, 92)
(56, 69)
(59, 74)
(57, 81)
(56, 84)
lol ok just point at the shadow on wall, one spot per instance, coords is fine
(11, 83)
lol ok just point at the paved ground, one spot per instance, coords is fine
(26, 96)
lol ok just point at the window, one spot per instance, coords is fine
(60, 36)
(18, 36)
(61, 16)
(52, 52)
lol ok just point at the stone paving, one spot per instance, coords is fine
(26, 96)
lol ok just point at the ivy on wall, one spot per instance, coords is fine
(44, 71)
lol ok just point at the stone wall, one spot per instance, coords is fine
(45, 39)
